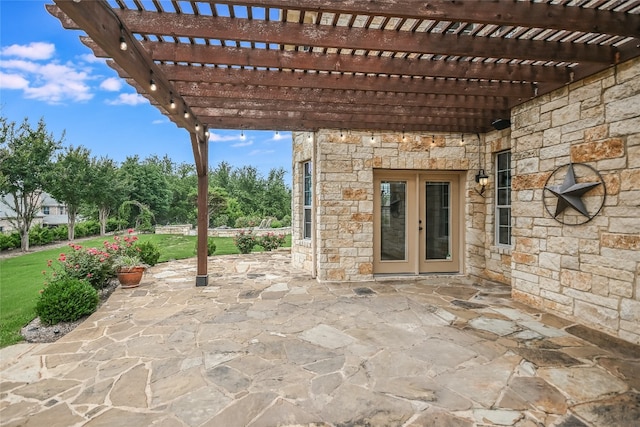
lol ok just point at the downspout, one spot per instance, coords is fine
(314, 240)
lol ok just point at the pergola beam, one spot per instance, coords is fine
(206, 103)
(238, 123)
(502, 12)
(326, 36)
(294, 60)
(338, 81)
(328, 96)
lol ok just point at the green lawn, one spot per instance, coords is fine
(21, 277)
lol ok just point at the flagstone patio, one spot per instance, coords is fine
(265, 345)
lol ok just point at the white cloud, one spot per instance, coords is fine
(12, 81)
(111, 84)
(242, 144)
(160, 121)
(20, 65)
(216, 137)
(51, 82)
(35, 50)
(261, 152)
(128, 99)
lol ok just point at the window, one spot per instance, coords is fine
(503, 198)
(307, 200)
(45, 210)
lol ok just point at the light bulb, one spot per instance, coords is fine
(152, 85)
(123, 43)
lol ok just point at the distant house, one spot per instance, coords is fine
(51, 213)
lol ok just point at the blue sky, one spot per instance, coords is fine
(45, 71)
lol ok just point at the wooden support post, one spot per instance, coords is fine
(201, 154)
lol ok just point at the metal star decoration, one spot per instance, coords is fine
(570, 193)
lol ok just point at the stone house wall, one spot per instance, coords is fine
(301, 248)
(589, 272)
(343, 188)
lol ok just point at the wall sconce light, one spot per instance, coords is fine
(499, 124)
(483, 179)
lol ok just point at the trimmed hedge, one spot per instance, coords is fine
(66, 300)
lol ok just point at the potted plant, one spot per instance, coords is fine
(129, 270)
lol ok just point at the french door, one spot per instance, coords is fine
(417, 222)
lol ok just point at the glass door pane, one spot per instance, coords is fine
(393, 220)
(438, 221)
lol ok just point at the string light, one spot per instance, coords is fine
(186, 114)
(242, 137)
(197, 127)
(172, 103)
(152, 84)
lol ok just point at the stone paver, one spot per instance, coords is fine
(265, 345)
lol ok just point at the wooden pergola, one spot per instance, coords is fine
(374, 65)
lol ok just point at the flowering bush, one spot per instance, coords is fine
(96, 266)
(271, 241)
(90, 264)
(245, 241)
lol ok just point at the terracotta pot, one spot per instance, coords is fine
(131, 277)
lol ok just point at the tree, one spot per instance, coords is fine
(106, 189)
(68, 183)
(247, 186)
(147, 185)
(182, 182)
(25, 166)
(277, 198)
(221, 176)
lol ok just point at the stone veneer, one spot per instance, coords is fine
(343, 190)
(589, 272)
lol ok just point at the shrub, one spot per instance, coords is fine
(87, 228)
(39, 235)
(90, 264)
(271, 241)
(114, 224)
(211, 246)
(276, 224)
(60, 232)
(66, 300)
(9, 241)
(221, 220)
(247, 222)
(148, 252)
(245, 241)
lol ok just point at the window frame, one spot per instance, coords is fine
(307, 200)
(500, 207)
